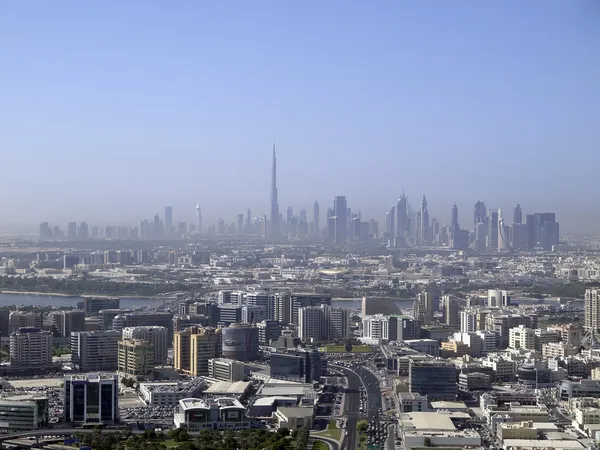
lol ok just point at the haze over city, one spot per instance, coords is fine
(112, 110)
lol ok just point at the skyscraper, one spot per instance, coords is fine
(479, 213)
(316, 218)
(454, 221)
(340, 209)
(168, 220)
(402, 222)
(493, 229)
(198, 219)
(425, 233)
(517, 214)
(275, 225)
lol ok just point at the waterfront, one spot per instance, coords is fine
(63, 301)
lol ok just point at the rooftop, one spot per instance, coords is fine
(533, 443)
(289, 411)
(427, 421)
(448, 405)
(225, 387)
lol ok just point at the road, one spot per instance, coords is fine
(351, 407)
(374, 402)
(333, 444)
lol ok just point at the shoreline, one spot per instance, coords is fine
(58, 294)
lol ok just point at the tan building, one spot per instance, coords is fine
(558, 350)
(571, 334)
(454, 348)
(521, 337)
(193, 347)
(516, 430)
(136, 358)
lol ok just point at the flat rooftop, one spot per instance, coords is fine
(225, 387)
(531, 443)
(449, 405)
(430, 421)
(295, 411)
(284, 389)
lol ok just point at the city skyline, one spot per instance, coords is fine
(371, 102)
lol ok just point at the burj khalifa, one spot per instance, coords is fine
(275, 226)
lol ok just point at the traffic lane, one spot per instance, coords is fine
(373, 392)
(351, 409)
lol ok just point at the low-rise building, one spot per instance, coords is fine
(294, 418)
(474, 381)
(412, 401)
(169, 394)
(23, 413)
(195, 414)
(226, 369)
(558, 350)
(516, 430)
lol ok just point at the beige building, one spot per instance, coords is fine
(516, 430)
(571, 334)
(558, 350)
(193, 347)
(294, 418)
(226, 369)
(30, 347)
(592, 309)
(136, 358)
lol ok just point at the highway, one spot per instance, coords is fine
(351, 407)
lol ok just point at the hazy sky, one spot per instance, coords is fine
(110, 110)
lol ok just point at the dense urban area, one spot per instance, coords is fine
(293, 336)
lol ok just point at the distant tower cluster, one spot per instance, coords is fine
(198, 218)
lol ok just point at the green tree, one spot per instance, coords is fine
(362, 426)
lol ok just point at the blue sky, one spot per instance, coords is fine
(110, 110)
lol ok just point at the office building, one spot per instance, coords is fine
(226, 369)
(479, 213)
(30, 347)
(339, 324)
(229, 314)
(23, 412)
(402, 328)
(435, 379)
(300, 365)
(313, 323)
(95, 350)
(492, 234)
(376, 328)
(240, 342)
(136, 358)
(155, 335)
(106, 317)
(23, 319)
(301, 300)
(194, 346)
(168, 220)
(64, 322)
(468, 320)
(423, 309)
(378, 305)
(517, 215)
(450, 310)
(91, 399)
(316, 222)
(268, 330)
(93, 305)
(154, 319)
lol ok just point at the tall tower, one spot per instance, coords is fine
(316, 218)
(518, 214)
(168, 219)
(454, 222)
(198, 219)
(275, 225)
(425, 233)
(340, 210)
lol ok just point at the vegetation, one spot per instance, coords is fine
(302, 438)
(332, 431)
(128, 382)
(59, 351)
(82, 286)
(179, 439)
(362, 426)
(342, 349)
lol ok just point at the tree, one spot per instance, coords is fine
(362, 426)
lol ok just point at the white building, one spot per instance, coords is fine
(226, 369)
(376, 327)
(23, 413)
(498, 298)
(95, 350)
(195, 414)
(504, 368)
(521, 338)
(157, 336)
(468, 320)
(169, 394)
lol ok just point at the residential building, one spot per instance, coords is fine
(521, 338)
(30, 348)
(376, 327)
(156, 335)
(24, 319)
(93, 305)
(136, 358)
(64, 322)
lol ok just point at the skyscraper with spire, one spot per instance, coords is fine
(425, 233)
(275, 225)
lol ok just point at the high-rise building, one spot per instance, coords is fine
(313, 324)
(339, 324)
(24, 319)
(83, 232)
(30, 347)
(402, 221)
(378, 305)
(454, 225)
(340, 209)
(450, 310)
(72, 230)
(425, 231)
(316, 218)
(275, 224)
(268, 330)
(198, 219)
(95, 350)
(517, 214)
(135, 359)
(468, 321)
(168, 220)
(423, 308)
(64, 322)
(91, 398)
(503, 233)
(376, 327)
(479, 213)
(301, 300)
(492, 234)
(155, 335)
(301, 365)
(240, 342)
(592, 310)
(498, 298)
